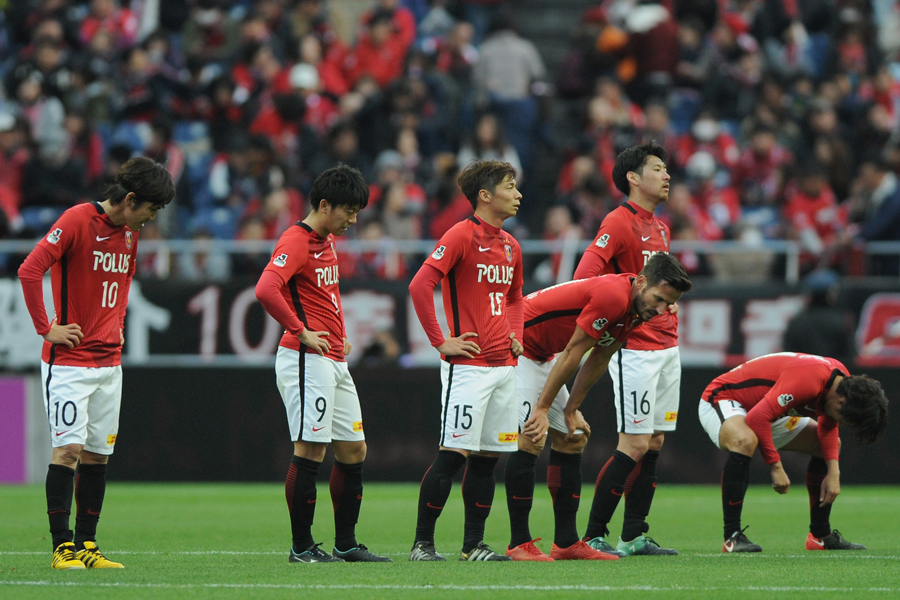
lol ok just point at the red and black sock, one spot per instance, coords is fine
(300, 492)
(564, 481)
(639, 490)
(819, 516)
(607, 492)
(435, 490)
(519, 479)
(90, 487)
(735, 479)
(346, 497)
(478, 487)
(60, 485)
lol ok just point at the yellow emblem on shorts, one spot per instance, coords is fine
(791, 423)
(357, 426)
(111, 440)
(672, 416)
(509, 437)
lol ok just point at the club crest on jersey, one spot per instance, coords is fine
(603, 240)
(53, 237)
(508, 250)
(280, 260)
(438, 253)
(129, 240)
(600, 324)
(785, 399)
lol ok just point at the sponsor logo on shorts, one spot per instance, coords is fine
(111, 439)
(280, 260)
(603, 240)
(509, 437)
(672, 416)
(791, 423)
(357, 426)
(438, 253)
(53, 236)
(600, 324)
(785, 399)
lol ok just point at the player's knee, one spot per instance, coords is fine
(574, 446)
(635, 446)
(744, 443)
(351, 454)
(531, 447)
(656, 442)
(67, 455)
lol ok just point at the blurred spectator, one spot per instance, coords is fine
(585, 192)
(250, 264)
(343, 147)
(14, 155)
(278, 210)
(733, 84)
(717, 200)
(689, 222)
(87, 146)
(707, 135)
(46, 63)
(403, 22)
(45, 114)
(653, 47)
(107, 16)
(489, 143)
(52, 179)
(202, 264)
(383, 263)
(695, 58)
(332, 78)
(210, 35)
(380, 51)
(559, 226)
(811, 211)
(658, 127)
(875, 212)
(759, 173)
(821, 327)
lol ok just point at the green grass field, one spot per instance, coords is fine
(231, 541)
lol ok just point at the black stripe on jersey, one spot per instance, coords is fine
(99, 208)
(615, 264)
(454, 301)
(298, 307)
(552, 314)
(740, 385)
(49, 377)
(64, 291)
(621, 390)
(629, 207)
(474, 219)
(304, 226)
(446, 404)
(301, 368)
(834, 375)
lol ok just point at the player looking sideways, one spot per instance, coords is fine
(562, 324)
(299, 288)
(792, 402)
(91, 253)
(479, 267)
(646, 371)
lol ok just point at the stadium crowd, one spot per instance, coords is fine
(780, 117)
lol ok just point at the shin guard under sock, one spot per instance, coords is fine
(346, 490)
(435, 490)
(564, 481)
(478, 495)
(607, 492)
(300, 492)
(639, 492)
(59, 487)
(90, 488)
(735, 479)
(819, 516)
(519, 480)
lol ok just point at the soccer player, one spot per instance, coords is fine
(562, 324)
(646, 371)
(479, 267)
(299, 288)
(795, 402)
(91, 253)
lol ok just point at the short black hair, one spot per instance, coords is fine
(483, 175)
(340, 186)
(865, 409)
(634, 159)
(663, 267)
(146, 178)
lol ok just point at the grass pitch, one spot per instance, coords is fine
(231, 541)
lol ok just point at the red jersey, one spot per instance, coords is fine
(627, 238)
(778, 385)
(601, 306)
(91, 262)
(307, 265)
(482, 267)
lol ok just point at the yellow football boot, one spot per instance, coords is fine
(92, 558)
(64, 557)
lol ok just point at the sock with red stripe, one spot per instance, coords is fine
(735, 479)
(519, 479)
(639, 490)
(819, 516)
(435, 490)
(478, 495)
(607, 492)
(90, 488)
(300, 492)
(59, 486)
(346, 497)
(564, 481)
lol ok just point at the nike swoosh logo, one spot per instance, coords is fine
(430, 505)
(359, 497)
(635, 421)
(319, 429)
(576, 496)
(818, 542)
(644, 239)
(457, 435)
(523, 498)
(615, 493)
(480, 249)
(100, 239)
(730, 503)
(318, 254)
(313, 501)
(92, 513)
(729, 546)
(63, 432)
(482, 505)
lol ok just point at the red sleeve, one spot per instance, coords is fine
(268, 292)
(515, 309)
(829, 437)
(590, 265)
(31, 274)
(421, 291)
(759, 419)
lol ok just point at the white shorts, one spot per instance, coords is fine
(82, 405)
(713, 415)
(478, 408)
(646, 385)
(531, 376)
(319, 396)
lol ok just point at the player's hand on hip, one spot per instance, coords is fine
(831, 487)
(121, 337)
(515, 345)
(537, 425)
(347, 346)
(460, 346)
(315, 340)
(780, 481)
(67, 335)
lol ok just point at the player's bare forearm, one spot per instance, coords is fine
(589, 374)
(831, 485)
(565, 367)
(780, 481)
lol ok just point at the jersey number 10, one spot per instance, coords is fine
(110, 294)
